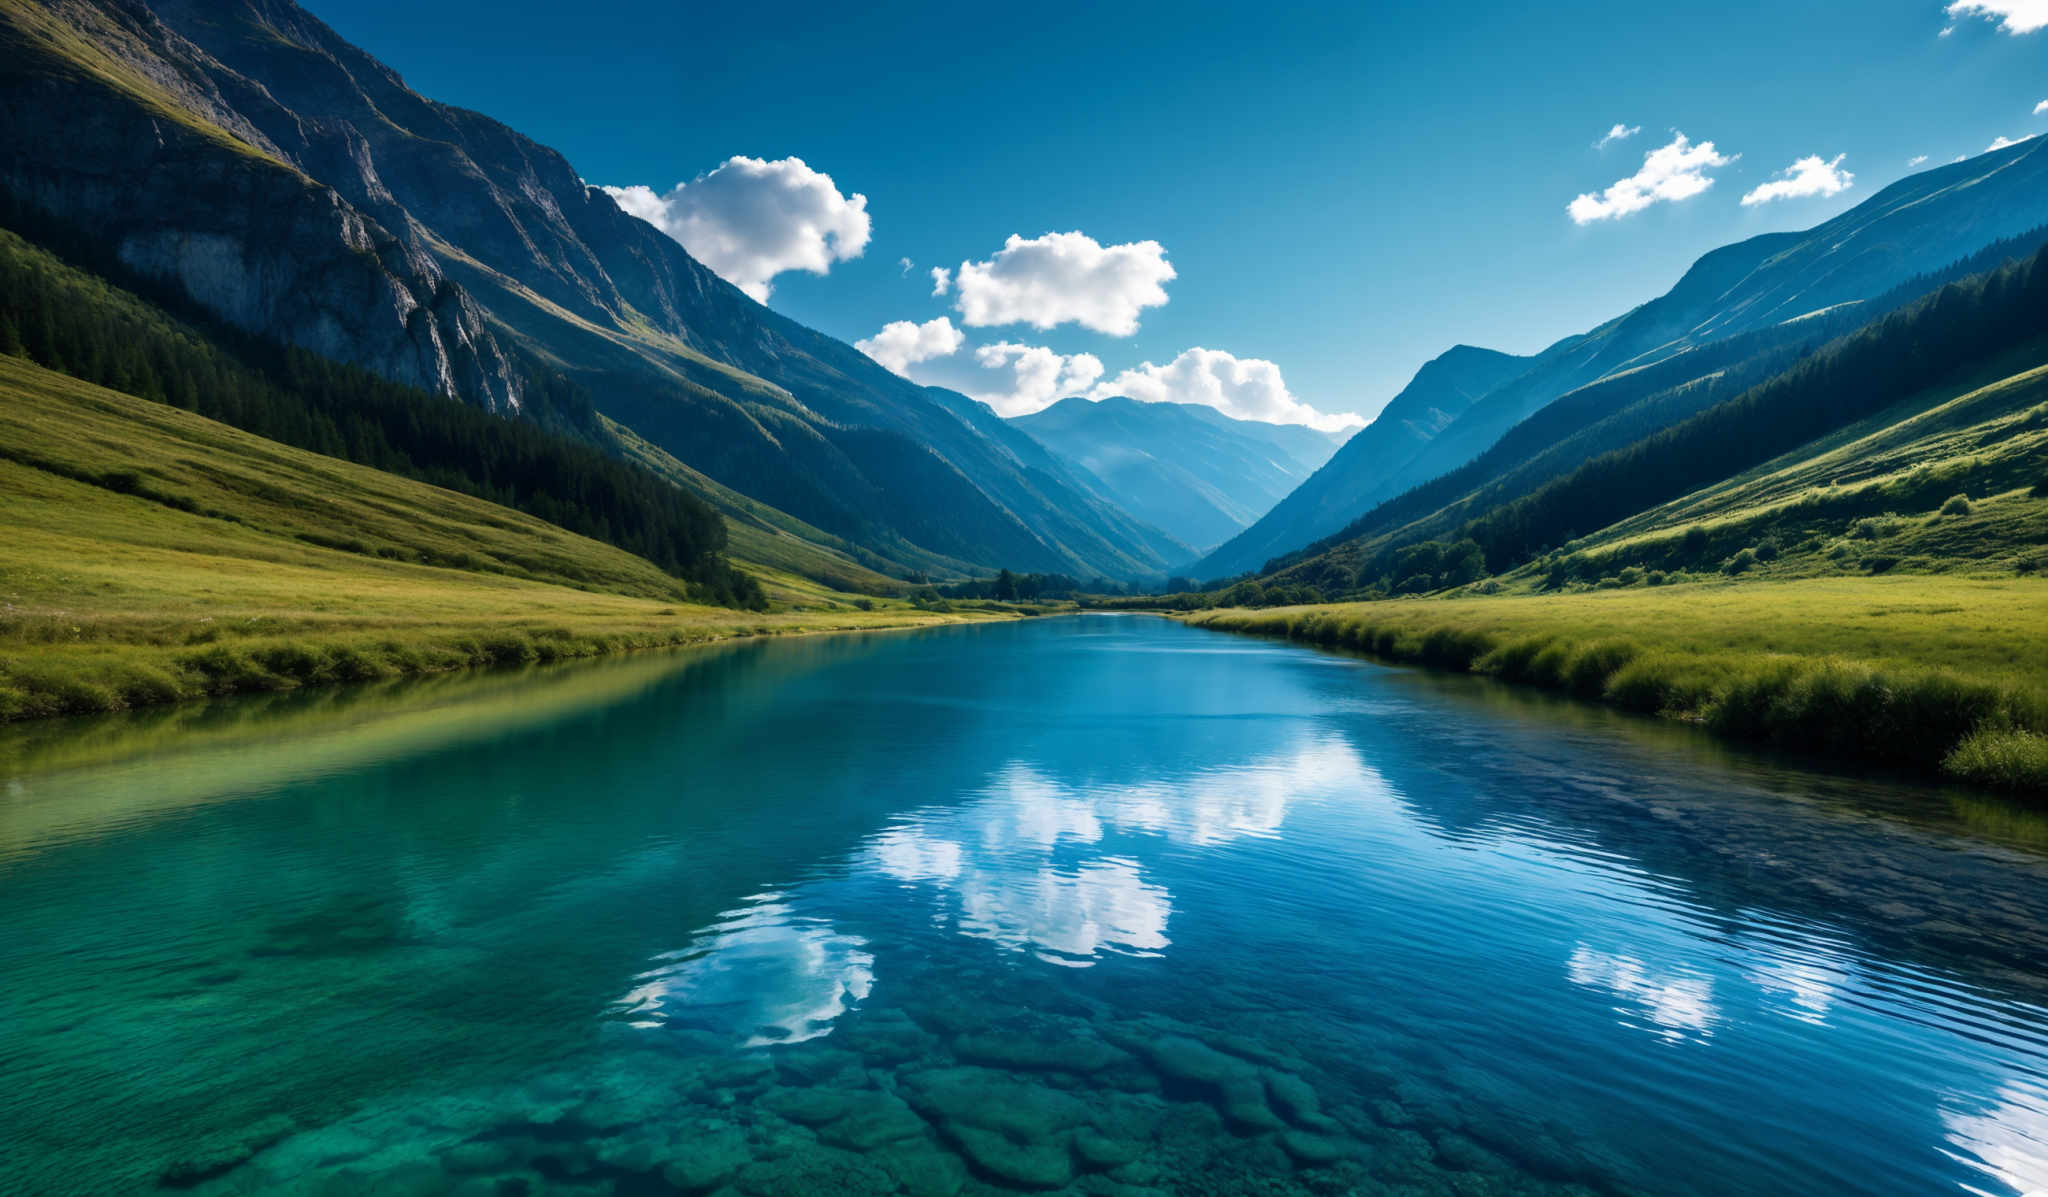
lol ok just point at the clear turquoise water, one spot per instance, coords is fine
(1103, 905)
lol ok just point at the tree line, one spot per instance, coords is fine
(70, 321)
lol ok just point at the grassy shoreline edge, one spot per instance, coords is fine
(1959, 724)
(38, 686)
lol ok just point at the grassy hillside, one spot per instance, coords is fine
(1939, 396)
(1924, 673)
(153, 554)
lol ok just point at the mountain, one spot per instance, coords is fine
(297, 188)
(1915, 227)
(1439, 393)
(1919, 433)
(1620, 410)
(1186, 468)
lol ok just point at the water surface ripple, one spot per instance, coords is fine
(1101, 905)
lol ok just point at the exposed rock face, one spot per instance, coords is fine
(296, 185)
(150, 152)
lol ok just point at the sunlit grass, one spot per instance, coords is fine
(152, 555)
(1904, 671)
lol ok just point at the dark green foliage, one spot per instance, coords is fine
(74, 323)
(1956, 505)
(1798, 381)
(1858, 376)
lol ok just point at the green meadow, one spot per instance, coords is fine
(152, 555)
(1936, 674)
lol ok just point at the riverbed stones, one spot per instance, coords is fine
(876, 1119)
(704, 1158)
(1079, 1054)
(1233, 1085)
(1011, 1131)
(1313, 1150)
(813, 1107)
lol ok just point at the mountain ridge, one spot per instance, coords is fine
(1914, 226)
(503, 246)
(1187, 468)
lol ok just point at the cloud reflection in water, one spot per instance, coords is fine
(760, 974)
(1024, 862)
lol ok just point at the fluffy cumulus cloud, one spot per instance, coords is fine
(2002, 143)
(1248, 388)
(1062, 278)
(1670, 173)
(1810, 176)
(752, 219)
(942, 280)
(2013, 16)
(1619, 132)
(902, 344)
(1016, 379)
(2041, 107)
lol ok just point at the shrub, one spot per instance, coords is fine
(1455, 648)
(1514, 661)
(1741, 562)
(2005, 757)
(1592, 666)
(1956, 505)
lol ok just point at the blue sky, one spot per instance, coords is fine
(1341, 194)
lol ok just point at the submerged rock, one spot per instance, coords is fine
(701, 1159)
(1234, 1086)
(876, 1119)
(1023, 1053)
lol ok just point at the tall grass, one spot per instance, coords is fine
(1987, 730)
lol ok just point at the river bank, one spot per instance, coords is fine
(154, 556)
(1930, 674)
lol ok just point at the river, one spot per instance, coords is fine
(1102, 905)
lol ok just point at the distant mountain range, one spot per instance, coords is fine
(1769, 287)
(1198, 474)
(296, 188)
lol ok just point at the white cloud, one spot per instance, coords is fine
(1033, 376)
(1064, 278)
(942, 280)
(904, 266)
(1916, 160)
(2013, 16)
(2002, 143)
(751, 220)
(1619, 132)
(1670, 173)
(902, 343)
(1809, 176)
(1247, 388)
(2041, 107)
(1013, 379)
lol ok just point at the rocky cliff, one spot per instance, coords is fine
(122, 128)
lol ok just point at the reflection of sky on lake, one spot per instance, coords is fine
(761, 974)
(1031, 864)
(1514, 921)
(2005, 1134)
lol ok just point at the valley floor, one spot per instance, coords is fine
(1928, 673)
(150, 555)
